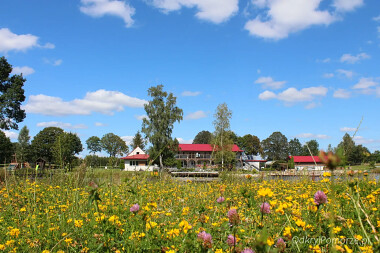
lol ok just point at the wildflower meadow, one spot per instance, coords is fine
(145, 212)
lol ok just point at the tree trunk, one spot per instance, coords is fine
(161, 165)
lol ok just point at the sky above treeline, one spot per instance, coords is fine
(309, 69)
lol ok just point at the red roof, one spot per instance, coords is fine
(136, 157)
(306, 159)
(203, 147)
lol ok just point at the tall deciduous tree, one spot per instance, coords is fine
(93, 144)
(203, 137)
(65, 147)
(23, 146)
(222, 137)
(295, 147)
(6, 148)
(42, 143)
(113, 145)
(138, 141)
(250, 144)
(11, 97)
(162, 113)
(275, 147)
(312, 147)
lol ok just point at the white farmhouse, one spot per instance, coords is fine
(137, 160)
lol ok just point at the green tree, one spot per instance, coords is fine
(23, 145)
(113, 145)
(345, 148)
(11, 97)
(93, 144)
(222, 136)
(138, 141)
(6, 148)
(359, 155)
(295, 147)
(275, 147)
(162, 113)
(250, 144)
(311, 145)
(203, 137)
(42, 143)
(65, 147)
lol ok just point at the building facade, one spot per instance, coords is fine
(137, 160)
(307, 163)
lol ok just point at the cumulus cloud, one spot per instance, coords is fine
(347, 129)
(312, 136)
(283, 17)
(141, 117)
(61, 125)
(25, 70)
(351, 59)
(10, 41)
(268, 83)
(100, 124)
(328, 75)
(292, 95)
(190, 93)
(377, 18)
(365, 83)
(10, 134)
(100, 8)
(346, 73)
(196, 115)
(341, 93)
(183, 141)
(362, 140)
(215, 11)
(53, 62)
(128, 139)
(101, 101)
(347, 5)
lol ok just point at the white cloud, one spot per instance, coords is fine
(100, 8)
(183, 141)
(141, 117)
(128, 139)
(283, 17)
(377, 18)
(25, 70)
(312, 136)
(348, 58)
(347, 5)
(365, 83)
(326, 60)
(328, 75)
(57, 62)
(292, 95)
(101, 101)
(342, 93)
(347, 129)
(311, 105)
(196, 115)
(53, 62)
(10, 41)
(10, 134)
(100, 124)
(215, 11)
(61, 125)
(268, 83)
(361, 140)
(346, 73)
(190, 93)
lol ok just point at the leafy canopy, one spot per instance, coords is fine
(42, 143)
(11, 97)
(113, 145)
(93, 144)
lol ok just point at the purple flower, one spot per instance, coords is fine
(247, 250)
(231, 240)
(281, 245)
(206, 239)
(265, 207)
(220, 200)
(135, 208)
(320, 198)
(233, 217)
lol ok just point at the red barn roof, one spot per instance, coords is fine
(136, 157)
(203, 147)
(306, 159)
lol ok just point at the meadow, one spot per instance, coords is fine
(108, 211)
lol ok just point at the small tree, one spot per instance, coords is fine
(23, 147)
(275, 147)
(65, 147)
(42, 143)
(11, 97)
(93, 144)
(203, 137)
(295, 147)
(114, 146)
(250, 144)
(162, 113)
(312, 147)
(138, 141)
(6, 148)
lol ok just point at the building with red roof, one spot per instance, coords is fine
(198, 155)
(137, 160)
(307, 162)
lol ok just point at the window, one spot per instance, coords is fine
(137, 153)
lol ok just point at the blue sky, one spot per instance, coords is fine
(309, 69)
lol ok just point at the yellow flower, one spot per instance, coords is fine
(78, 223)
(339, 248)
(366, 249)
(68, 241)
(327, 174)
(185, 226)
(358, 237)
(69, 220)
(185, 210)
(15, 232)
(46, 251)
(315, 248)
(219, 251)
(348, 250)
(265, 192)
(2, 246)
(270, 241)
(23, 209)
(150, 224)
(336, 230)
(300, 223)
